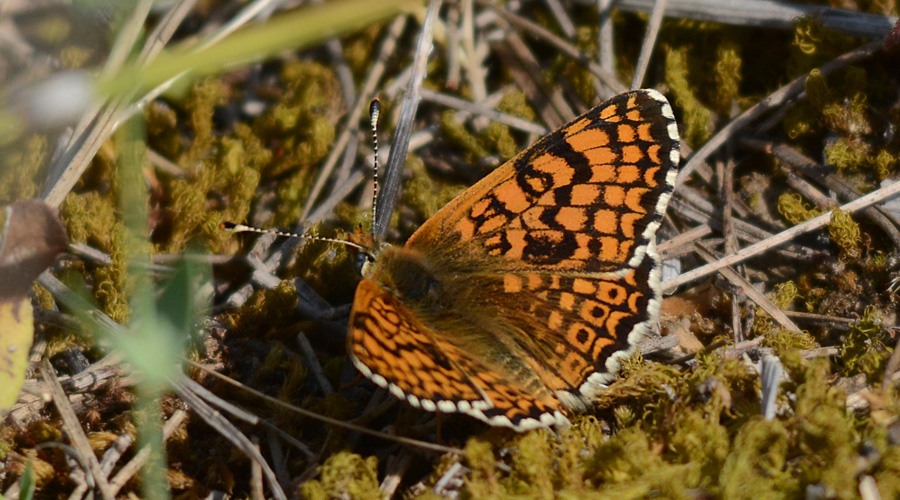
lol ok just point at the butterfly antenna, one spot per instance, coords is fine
(231, 227)
(374, 113)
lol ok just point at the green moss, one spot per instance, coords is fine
(792, 207)
(728, 76)
(630, 465)
(75, 56)
(533, 465)
(515, 102)
(785, 294)
(696, 119)
(345, 475)
(756, 465)
(92, 219)
(863, 349)
(847, 155)
(484, 480)
(825, 444)
(850, 155)
(814, 44)
(161, 124)
(457, 133)
(22, 163)
(424, 194)
(783, 341)
(844, 232)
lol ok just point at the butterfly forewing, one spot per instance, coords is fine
(587, 197)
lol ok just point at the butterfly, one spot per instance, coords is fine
(516, 302)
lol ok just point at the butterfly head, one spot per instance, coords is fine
(366, 250)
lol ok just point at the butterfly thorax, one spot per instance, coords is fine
(408, 276)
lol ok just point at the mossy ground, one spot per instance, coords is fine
(684, 430)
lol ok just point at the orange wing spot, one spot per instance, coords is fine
(607, 113)
(633, 300)
(385, 326)
(493, 241)
(537, 183)
(611, 293)
(614, 196)
(534, 281)
(625, 249)
(554, 282)
(634, 115)
(634, 197)
(644, 133)
(580, 336)
(539, 162)
(479, 207)
(560, 347)
(612, 325)
(587, 140)
(465, 228)
(650, 177)
(391, 316)
(629, 279)
(583, 252)
(554, 322)
(632, 153)
(601, 157)
(516, 240)
(512, 197)
(606, 221)
(566, 301)
(413, 361)
(653, 153)
(627, 223)
(601, 343)
(512, 283)
(571, 218)
(629, 174)
(609, 249)
(563, 176)
(594, 312)
(547, 199)
(584, 194)
(372, 346)
(583, 286)
(593, 138)
(548, 163)
(626, 133)
(532, 218)
(575, 363)
(495, 222)
(576, 127)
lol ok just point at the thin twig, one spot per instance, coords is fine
(784, 236)
(73, 428)
(656, 17)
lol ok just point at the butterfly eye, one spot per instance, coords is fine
(363, 260)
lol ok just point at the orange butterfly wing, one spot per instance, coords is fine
(533, 283)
